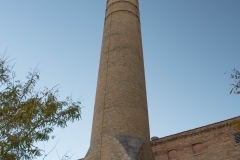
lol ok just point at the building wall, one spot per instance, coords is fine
(212, 142)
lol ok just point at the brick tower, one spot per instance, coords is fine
(120, 129)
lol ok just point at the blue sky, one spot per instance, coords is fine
(188, 46)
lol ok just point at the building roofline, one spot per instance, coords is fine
(195, 131)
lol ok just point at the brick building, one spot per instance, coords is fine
(218, 141)
(120, 129)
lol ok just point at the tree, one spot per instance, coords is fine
(235, 90)
(27, 115)
(236, 85)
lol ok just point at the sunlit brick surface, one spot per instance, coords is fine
(121, 113)
(211, 142)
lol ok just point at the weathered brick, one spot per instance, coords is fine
(120, 128)
(211, 142)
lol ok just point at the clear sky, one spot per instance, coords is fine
(188, 46)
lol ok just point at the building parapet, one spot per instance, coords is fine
(196, 131)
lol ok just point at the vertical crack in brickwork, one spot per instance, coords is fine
(105, 88)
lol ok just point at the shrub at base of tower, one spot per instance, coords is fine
(28, 116)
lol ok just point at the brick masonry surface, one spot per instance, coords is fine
(120, 129)
(211, 142)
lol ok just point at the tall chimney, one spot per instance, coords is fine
(120, 129)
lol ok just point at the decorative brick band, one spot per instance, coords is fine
(120, 6)
(121, 11)
(130, 1)
(121, 2)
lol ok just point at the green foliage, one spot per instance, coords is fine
(27, 115)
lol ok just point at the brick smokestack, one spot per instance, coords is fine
(120, 129)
